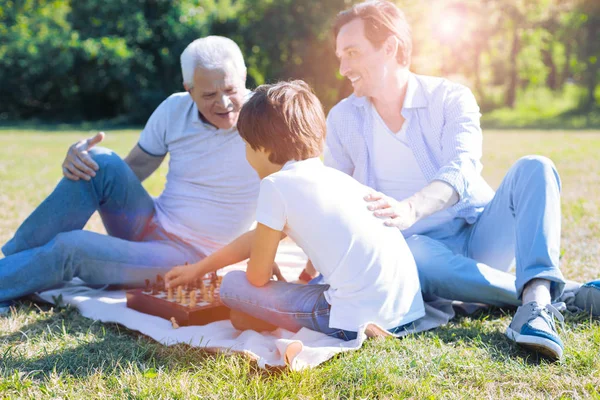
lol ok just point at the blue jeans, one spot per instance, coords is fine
(287, 305)
(50, 247)
(521, 224)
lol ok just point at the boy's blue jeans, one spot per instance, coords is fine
(521, 224)
(50, 247)
(287, 305)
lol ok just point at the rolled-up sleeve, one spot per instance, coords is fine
(335, 155)
(462, 142)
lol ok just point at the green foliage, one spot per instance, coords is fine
(85, 60)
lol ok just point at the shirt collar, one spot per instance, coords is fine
(414, 95)
(309, 161)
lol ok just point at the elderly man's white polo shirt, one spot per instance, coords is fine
(211, 191)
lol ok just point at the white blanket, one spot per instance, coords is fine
(280, 348)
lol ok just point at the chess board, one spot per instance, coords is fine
(196, 304)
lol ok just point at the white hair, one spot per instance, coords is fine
(210, 52)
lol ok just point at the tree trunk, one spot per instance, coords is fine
(593, 33)
(511, 91)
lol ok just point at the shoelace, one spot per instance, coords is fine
(554, 310)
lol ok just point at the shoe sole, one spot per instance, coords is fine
(543, 346)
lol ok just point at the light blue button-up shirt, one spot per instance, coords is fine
(443, 132)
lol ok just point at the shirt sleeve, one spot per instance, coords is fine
(462, 143)
(335, 155)
(153, 137)
(271, 209)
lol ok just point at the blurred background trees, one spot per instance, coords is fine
(67, 60)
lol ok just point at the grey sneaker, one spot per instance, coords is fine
(587, 298)
(533, 327)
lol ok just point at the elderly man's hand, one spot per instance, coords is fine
(400, 214)
(78, 164)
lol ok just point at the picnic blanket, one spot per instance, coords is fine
(280, 348)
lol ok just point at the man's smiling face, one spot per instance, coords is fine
(219, 95)
(360, 62)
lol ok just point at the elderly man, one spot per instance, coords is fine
(208, 200)
(417, 141)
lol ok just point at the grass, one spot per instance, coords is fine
(541, 108)
(50, 352)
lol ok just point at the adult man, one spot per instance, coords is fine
(208, 200)
(417, 140)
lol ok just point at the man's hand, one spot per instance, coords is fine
(78, 164)
(400, 214)
(181, 275)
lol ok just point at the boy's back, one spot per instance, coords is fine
(371, 271)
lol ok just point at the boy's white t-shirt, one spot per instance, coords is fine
(211, 191)
(370, 270)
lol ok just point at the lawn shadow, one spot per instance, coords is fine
(71, 345)
(475, 330)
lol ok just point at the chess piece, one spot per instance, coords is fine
(148, 289)
(192, 298)
(174, 323)
(203, 291)
(179, 294)
(170, 294)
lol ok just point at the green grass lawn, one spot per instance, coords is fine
(55, 353)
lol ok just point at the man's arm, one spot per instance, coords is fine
(335, 155)
(461, 144)
(141, 163)
(435, 197)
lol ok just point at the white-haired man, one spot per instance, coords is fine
(208, 199)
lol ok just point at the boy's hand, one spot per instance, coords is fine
(277, 273)
(181, 275)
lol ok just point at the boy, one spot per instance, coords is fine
(369, 272)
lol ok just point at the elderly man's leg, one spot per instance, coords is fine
(93, 257)
(124, 205)
(523, 221)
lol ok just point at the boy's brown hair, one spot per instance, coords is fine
(382, 19)
(286, 119)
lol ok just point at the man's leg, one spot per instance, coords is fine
(124, 205)
(93, 257)
(287, 305)
(444, 273)
(524, 220)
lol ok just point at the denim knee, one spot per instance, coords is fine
(231, 281)
(539, 168)
(61, 249)
(106, 158)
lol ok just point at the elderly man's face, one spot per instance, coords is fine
(219, 94)
(364, 65)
